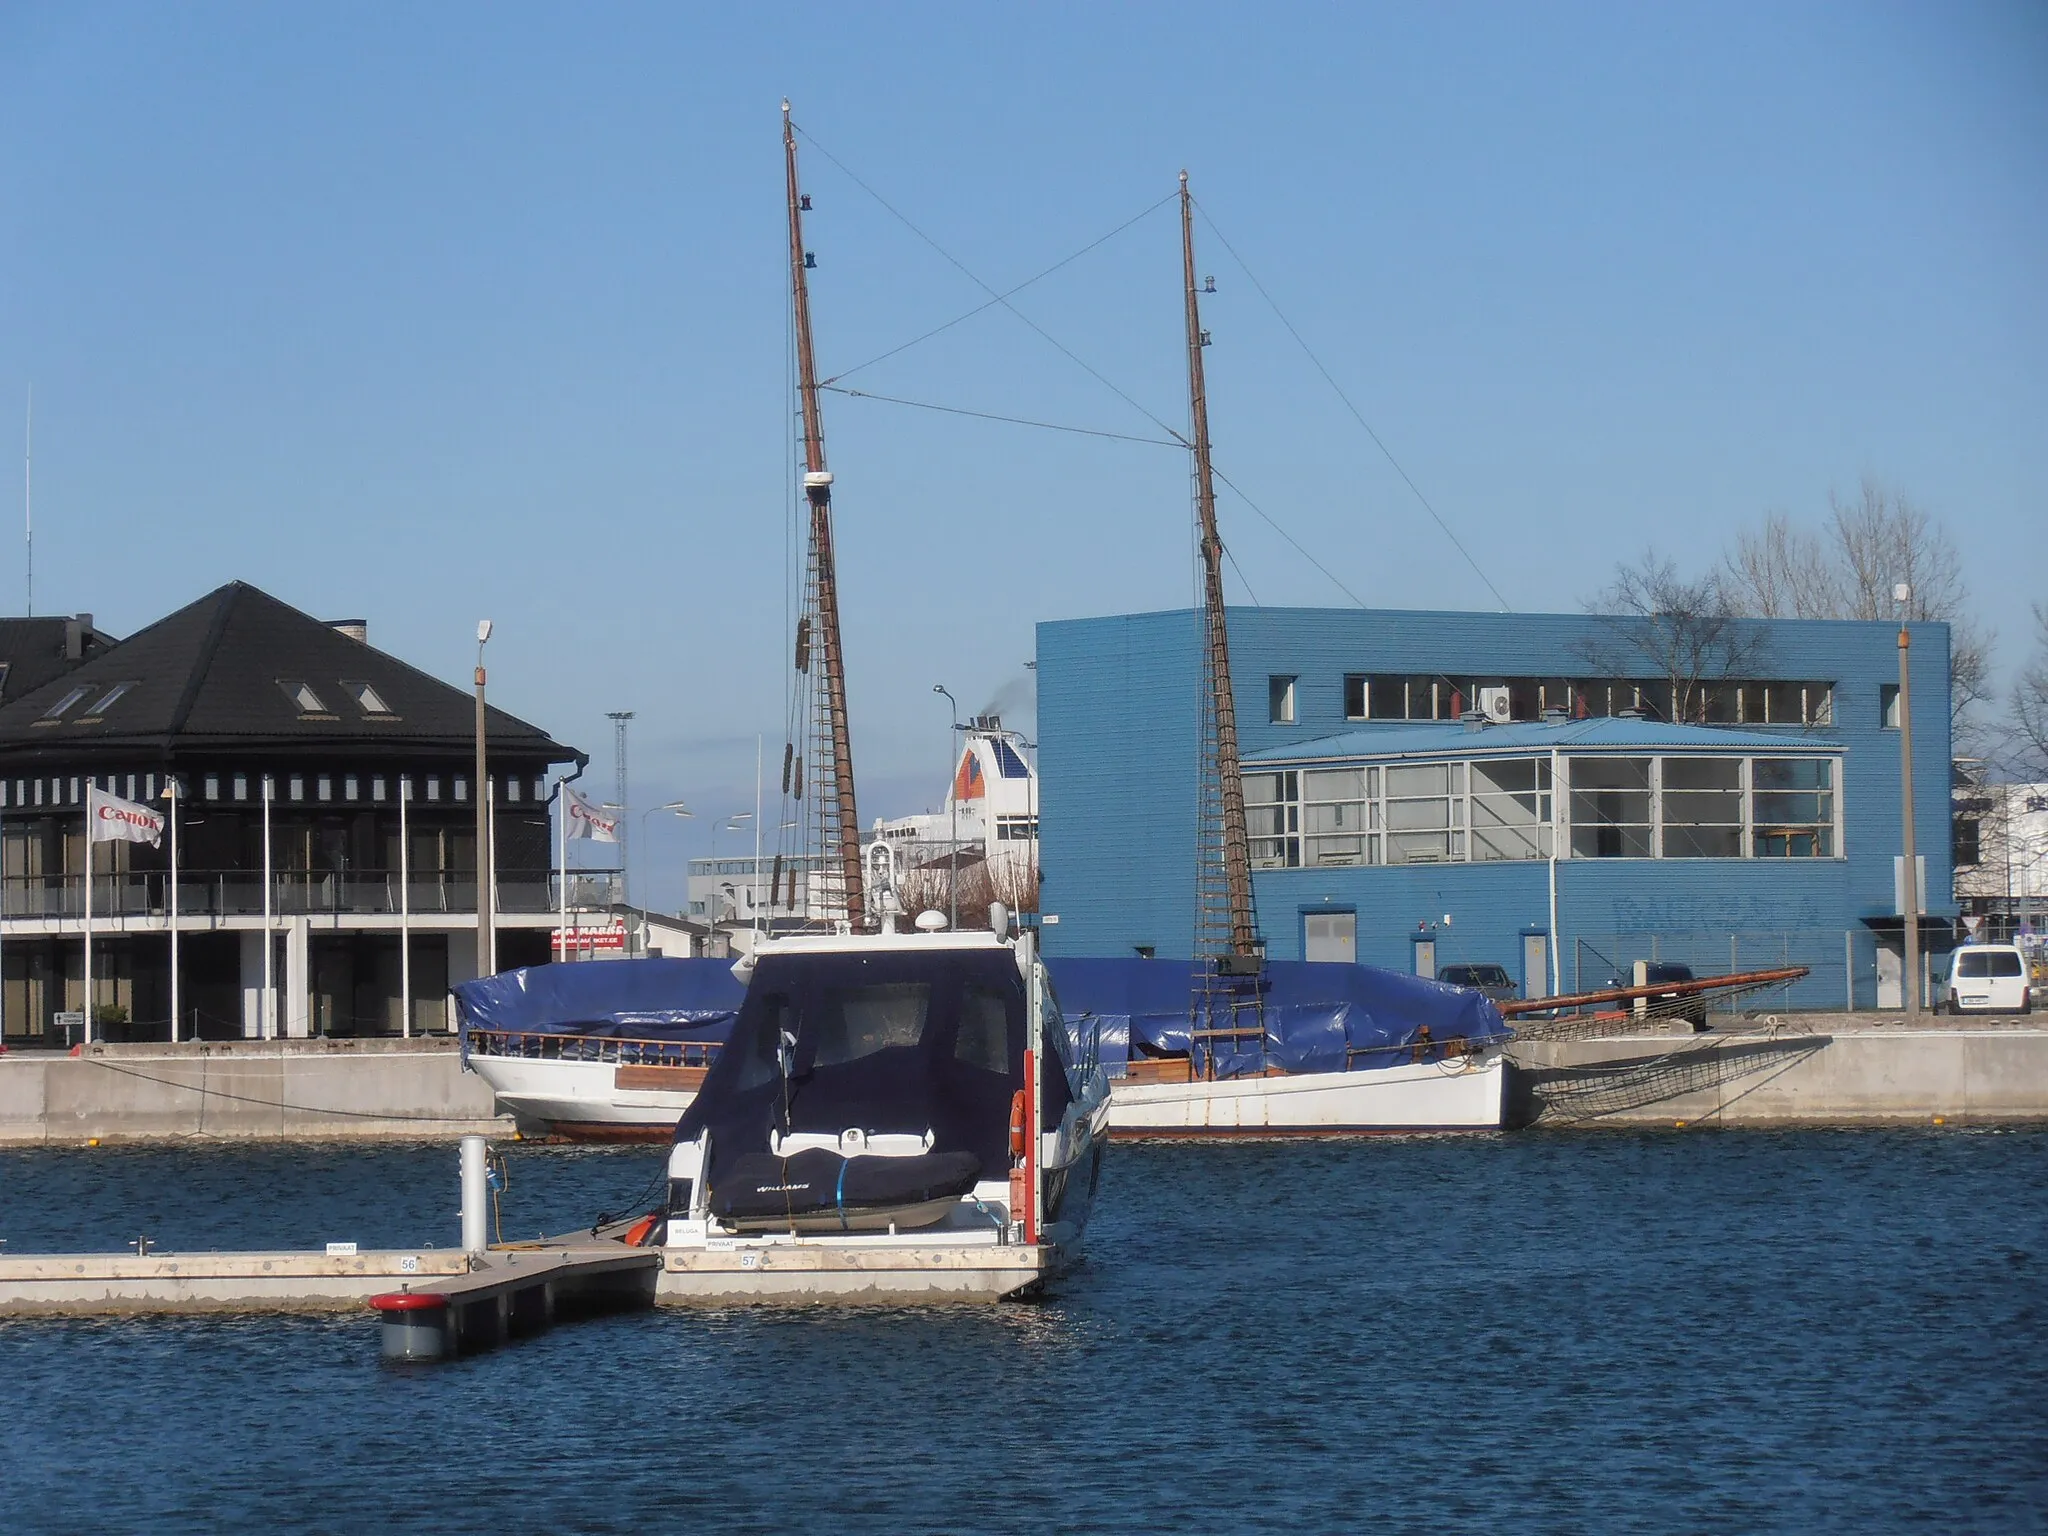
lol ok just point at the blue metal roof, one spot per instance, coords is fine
(1449, 738)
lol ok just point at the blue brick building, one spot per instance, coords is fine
(1558, 794)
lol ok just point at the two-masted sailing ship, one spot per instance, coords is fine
(1228, 1043)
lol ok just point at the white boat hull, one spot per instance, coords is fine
(580, 1099)
(1461, 1095)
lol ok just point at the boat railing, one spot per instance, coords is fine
(555, 1045)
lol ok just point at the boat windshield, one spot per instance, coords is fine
(889, 1041)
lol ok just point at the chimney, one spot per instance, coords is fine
(357, 630)
(75, 632)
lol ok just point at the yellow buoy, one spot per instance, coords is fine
(1678, 1124)
(1939, 1121)
(92, 1141)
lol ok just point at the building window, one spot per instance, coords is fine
(350, 788)
(1888, 705)
(1610, 807)
(297, 789)
(303, 698)
(1702, 807)
(511, 790)
(1792, 807)
(212, 782)
(1273, 818)
(323, 787)
(377, 788)
(56, 711)
(1511, 809)
(433, 786)
(1280, 700)
(1016, 829)
(1339, 816)
(241, 786)
(368, 700)
(461, 789)
(540, 788)
(1425, 814)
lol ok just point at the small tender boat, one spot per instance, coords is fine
(894, 1116)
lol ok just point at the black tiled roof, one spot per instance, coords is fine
(35, 650)
(211, 675)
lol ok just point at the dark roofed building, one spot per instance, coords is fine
(33, 651)
(281, 732)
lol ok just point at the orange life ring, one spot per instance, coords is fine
(1017, 1123)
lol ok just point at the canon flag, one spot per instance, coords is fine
(586, 820)
(110, 819)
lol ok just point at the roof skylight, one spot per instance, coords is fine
(367, 698)
(303, 698)
(58, 710)
(108, 700)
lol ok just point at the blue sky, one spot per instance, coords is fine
(424, 317)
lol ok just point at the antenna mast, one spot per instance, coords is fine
(838, 821)
(28, 506)
(1228, 908)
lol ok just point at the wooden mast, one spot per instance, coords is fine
(1219, 702)
(840, 823)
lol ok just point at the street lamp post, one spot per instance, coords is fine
(953, 806)
(486, 933)
(734, 823)
(1909, 880)
(681, 812)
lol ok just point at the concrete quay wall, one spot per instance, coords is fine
(279, 1090)
(1821, 1070)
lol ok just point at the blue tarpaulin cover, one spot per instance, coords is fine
(1318, 1017)
(693, 1000)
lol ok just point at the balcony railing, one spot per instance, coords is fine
(294, 893)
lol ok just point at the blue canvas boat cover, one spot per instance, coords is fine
(680, 1000)
(1317, 1017)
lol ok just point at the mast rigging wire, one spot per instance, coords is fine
(848, 373)
(1356, 414)
(994, 296)
(1020, 421)
(1179, 439)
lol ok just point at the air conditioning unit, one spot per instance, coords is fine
(1493, 703)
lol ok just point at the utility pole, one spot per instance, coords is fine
(618, 718)
(486, 864)
(1909, 880)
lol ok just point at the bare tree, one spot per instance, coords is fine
(1870, 543)
(1687, 632)
(2027, 747)
(1780, 571)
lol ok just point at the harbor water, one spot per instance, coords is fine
(1798, 1331)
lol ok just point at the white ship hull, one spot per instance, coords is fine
(584, 1099)
(1459, 1095)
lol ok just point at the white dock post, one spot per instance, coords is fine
(475, 1195)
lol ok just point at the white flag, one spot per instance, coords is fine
(586, 820)
(110, 819)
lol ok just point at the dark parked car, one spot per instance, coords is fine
(1490, 979)
(1671, 1005)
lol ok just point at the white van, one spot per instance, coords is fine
(1989, 978)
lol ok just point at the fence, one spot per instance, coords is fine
(239, 893)
(1842, 963)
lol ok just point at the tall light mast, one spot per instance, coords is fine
(837, 819)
